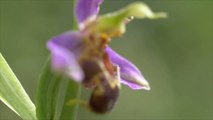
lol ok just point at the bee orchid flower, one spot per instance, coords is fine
(85, 55)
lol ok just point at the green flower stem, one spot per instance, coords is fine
(54, 91)
(73, 92)
(13, 94)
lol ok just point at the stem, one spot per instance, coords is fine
(73, 90)
(74, 21)
(54, 91)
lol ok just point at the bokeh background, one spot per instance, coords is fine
(175, 55)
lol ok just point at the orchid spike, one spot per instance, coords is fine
(85, 56)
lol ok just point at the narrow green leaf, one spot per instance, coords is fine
(13, 94)
(45, 98)
(50, 97)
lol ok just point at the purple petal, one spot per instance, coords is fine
(130, 74)
(64, 50)
(87, 8)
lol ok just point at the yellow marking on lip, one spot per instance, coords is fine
(99, 91)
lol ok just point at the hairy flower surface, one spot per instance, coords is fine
(85, 56)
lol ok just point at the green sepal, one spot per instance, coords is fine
(113, 24)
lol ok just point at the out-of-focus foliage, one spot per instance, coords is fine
(174, 54)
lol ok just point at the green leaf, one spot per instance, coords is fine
(45, 96)
(51, 92)
(13, 94)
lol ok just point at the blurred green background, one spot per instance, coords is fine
(175, 55)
